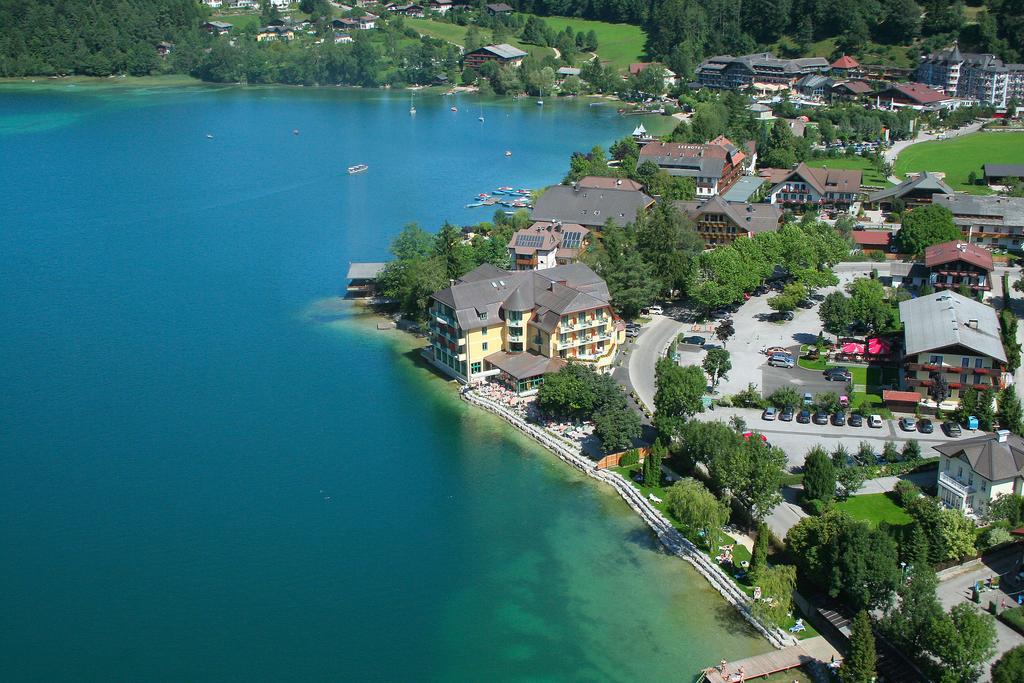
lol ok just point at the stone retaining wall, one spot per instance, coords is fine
(669, 536)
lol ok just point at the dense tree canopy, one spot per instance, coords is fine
(925, 226)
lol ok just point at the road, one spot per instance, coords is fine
(647, 349)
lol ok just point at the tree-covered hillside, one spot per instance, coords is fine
(90, 37)
(683, 32)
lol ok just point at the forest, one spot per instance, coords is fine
(104, 37)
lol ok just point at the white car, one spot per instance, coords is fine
(655, 310)
(875, 421)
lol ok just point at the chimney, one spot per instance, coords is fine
(1002, 435)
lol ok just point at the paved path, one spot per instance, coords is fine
(647, 349)
(955, 587)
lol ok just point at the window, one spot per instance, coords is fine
(515, 316)
(965, 362)
(936, 360)
(979, 362)
(960, 471)
(474, 368)
(483, 330)
(483, 316)
(562, 338)
(484, 346)
(963, 378)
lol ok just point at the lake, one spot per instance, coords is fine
(199, 480)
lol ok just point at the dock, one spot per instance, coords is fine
(815, 649)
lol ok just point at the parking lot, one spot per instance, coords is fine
(800, 379)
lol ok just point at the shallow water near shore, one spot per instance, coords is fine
(200, 481)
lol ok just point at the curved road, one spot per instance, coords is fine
(889, 155)
(647, 349)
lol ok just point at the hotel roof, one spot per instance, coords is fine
(590, 207)
(947, 319)
(925, 181)
(990, 457)
(752, 218)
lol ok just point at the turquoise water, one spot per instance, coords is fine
(200, 481)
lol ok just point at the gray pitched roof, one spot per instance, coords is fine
(479, 296)
(1004, 170)
(589, 207)
(925, 182)
(996, 210)
(743, 189)
(988, 456)
(947, 319)
(364, 270)
(752, 218)
(504, 50)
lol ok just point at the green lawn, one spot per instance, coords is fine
(871, 175)
(618, 44)
(874, 508)
(454, 33)
(959, 156)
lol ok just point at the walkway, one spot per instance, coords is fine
(815, 649)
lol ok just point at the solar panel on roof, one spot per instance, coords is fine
(530, 241)
(571, 240)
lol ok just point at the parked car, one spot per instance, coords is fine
(838, 375)
(808, 399)
(951, 428)
(855, 420)
(786, 415)
(784, 316)
(780, 360)
(632, 332)
(805, 304)
(875, 421)
(768, 414)
(655, 310)
(821, 418)
(908, 424)
(839, 418)
(925, 426)
(695, 340)
(804, 416)
(773, 350)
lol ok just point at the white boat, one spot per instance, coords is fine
(358, 168)
(508, 153)
(412, 110)
(209, 136)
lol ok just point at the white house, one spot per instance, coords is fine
(974, 472)
(213, 4)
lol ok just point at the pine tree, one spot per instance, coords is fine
(1010, 415)
(985, 411)
(859, 665)
(759, 558)
(652, 464)
(911, 450)
(820, 476)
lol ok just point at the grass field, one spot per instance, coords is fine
(454, 33)
(874, 508)
(618, 44)
(871, 174)
(959, 156)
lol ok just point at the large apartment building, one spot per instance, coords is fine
(719, 222)
(982, 77)
(991, 220)
(956, 337)
(714, 166)
(519, 325)
(762, 69)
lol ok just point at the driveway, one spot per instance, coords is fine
(799, 379)
(646, 350)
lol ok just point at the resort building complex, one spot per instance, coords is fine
(763, 70)
(981, 77)
(954, 337)
(974, 472)
(520, 325)
(823, 187)
(992, 221)
(720, 222)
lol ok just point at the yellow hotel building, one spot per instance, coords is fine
(520, 325)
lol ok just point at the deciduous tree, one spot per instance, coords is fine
(925, 226)
(717, 364)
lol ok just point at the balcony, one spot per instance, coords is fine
(955, 486)
(574, 325)
(583, 341)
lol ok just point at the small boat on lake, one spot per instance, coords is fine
(209, 136)
(358, 168)
(455, 108)
(508, 153)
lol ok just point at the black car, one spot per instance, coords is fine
(804, 416)
(838, 375)
(695, 340)
(951, 428)
(839, 418)
(855, 420)
(821, 418)
(925, 426)
(805, 303)
(784, 315)
(786, 415)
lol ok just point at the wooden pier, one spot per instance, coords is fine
(806, 651)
